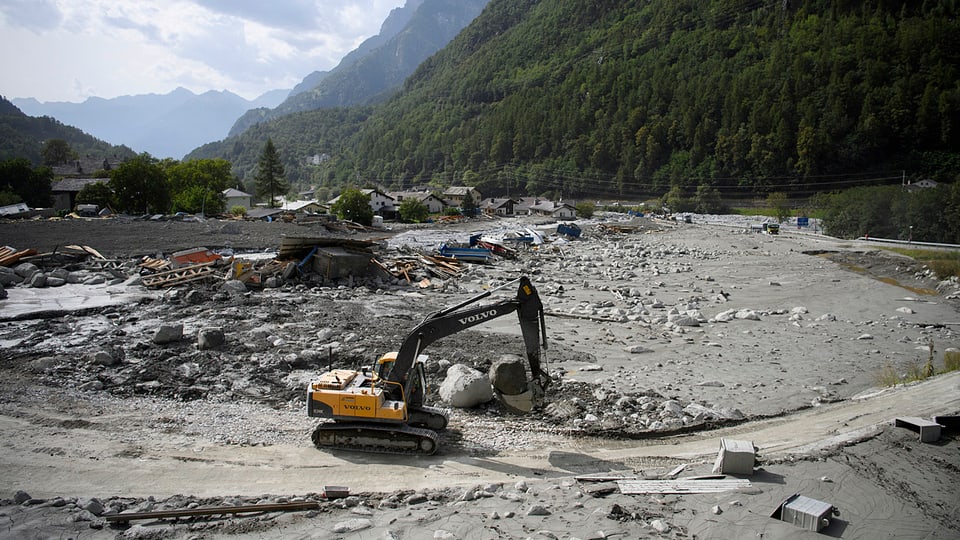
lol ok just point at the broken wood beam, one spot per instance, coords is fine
(15, 257)
(212, 511)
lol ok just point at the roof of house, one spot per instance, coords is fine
(458, 190)
(496, 203)
(74, 185)
(300, 205)
(232, 193)
(260, 213)
(86, 165)
(418, 195)
(372, 191)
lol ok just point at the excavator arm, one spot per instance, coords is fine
(454, 319)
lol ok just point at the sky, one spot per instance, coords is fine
(69, 50)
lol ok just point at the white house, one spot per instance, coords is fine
(434, 204)
(456, 194)
(235, 197)
(555, 210)
(381, 203)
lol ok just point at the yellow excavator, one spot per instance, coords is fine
(383, 410)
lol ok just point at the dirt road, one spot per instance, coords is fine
(126, 452)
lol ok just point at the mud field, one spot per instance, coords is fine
(663, 338)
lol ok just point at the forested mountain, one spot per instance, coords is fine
(23, 136)
(380, 64)
(616, 98)
(165, 125)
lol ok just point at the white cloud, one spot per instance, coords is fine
(36, 15)
(71, 49)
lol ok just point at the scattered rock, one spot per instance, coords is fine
(352, 525)
(465, 387)
(210, 338)
(168, 333)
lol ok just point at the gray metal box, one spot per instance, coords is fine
(805, 512)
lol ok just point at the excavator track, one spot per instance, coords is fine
(375, 438)
(425, 416)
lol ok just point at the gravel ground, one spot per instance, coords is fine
(830, 317)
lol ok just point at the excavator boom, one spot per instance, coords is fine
(449, 321)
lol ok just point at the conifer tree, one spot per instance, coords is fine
(270, 174)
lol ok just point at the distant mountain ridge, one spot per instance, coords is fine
(164, 125)
(378, 67)
(23, 137)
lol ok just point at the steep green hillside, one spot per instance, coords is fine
(378, 66)
(22, 136)
(625, 98)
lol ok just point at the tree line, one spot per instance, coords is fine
(144, 184)
(895, 212)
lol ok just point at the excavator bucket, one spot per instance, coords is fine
(519, 403)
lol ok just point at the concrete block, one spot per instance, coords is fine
(735, 457)
(929, 431)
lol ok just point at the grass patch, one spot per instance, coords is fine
(951, 361)
(944, 263)
(889, 376)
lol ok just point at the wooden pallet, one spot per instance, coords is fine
(179, 276)
(149, 264)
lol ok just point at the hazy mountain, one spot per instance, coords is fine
(377, 68)
(164, 125)
(22, 136)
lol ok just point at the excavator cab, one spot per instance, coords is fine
(384, 363)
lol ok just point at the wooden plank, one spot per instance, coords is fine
(211, 511)
(86, 249)
(154, 265)
(681, 486)
(15, 257)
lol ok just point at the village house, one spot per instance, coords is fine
(235, 197)
(434, 204)
(64, 192)
(535, 206)
(456, 195)
(382, 204)
(498, 207)
(85, 167)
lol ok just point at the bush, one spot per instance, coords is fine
(585, 209)
(238, 211)
(412, 210)
(951, 361)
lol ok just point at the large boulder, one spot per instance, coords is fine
(168, 333)
(465, 387)
(508, 375)
(26, 270)
(9, 277)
